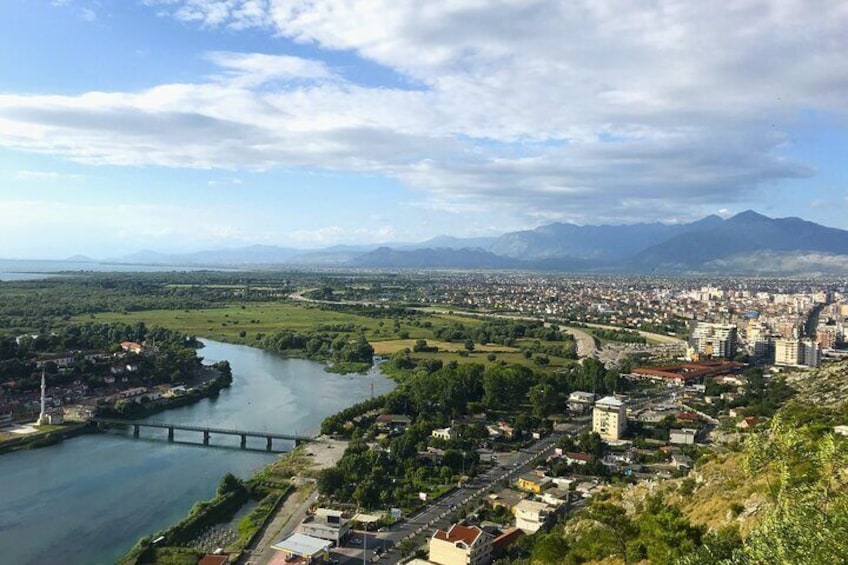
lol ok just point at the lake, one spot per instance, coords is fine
(24, 269)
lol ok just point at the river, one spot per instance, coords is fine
(89, 499)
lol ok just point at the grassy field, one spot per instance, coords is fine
(483, 358)
(395, 345)
(227, 323)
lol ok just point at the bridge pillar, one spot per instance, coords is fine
(135, 430)
(170, 433)
(205, 437)
(269, 443)
(243, 441)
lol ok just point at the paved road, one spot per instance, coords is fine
(661, 338)
(587, 345)
(419, 527)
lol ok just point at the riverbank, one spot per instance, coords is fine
(133, 411)
(48, 438)
(283, 490)
(140, 410)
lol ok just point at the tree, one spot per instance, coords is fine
(229, 483)
(330, 480)
(543, 399)
(469, 345)
(613, 518)
(549, 548)
(665, 533)
(808, 521)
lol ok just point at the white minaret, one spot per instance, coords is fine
(42, 418)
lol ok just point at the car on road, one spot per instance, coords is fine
(356, 541)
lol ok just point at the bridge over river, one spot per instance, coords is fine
(206, 431)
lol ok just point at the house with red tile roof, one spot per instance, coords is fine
(461, 545)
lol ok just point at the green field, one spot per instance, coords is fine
(387, 337)
(392, 346)
(227, 323)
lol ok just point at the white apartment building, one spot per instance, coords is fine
(609, 418)
(715, 340)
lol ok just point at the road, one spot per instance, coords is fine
(661, 338)
(587, 345)
(420, 526)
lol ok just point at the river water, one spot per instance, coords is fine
(89, 499)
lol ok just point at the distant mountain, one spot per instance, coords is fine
(602, 243)
(450, 242)
(746, 243)
(443, 258)
(251, 255)
(80, 259)
(746, 234)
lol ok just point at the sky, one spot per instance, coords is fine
(181, 125)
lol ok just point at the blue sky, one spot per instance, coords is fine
(179, 125)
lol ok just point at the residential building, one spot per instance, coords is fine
(810, 353)
(394, 422)
(797, 352)
(787, 352)
(579, 401)
(531, 516)
(555, 497)
(502, 542)
(461, 545)
(532, 482)
(446, 434)
(686, 436)
(506, 498)
(827, 336)
(326, 524)
(714, 340)
(609, 418)
(572, 458)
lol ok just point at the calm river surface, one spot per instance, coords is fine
(88, 500)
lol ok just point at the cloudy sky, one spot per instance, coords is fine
(180, 125)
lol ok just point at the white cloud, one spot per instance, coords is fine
(253, 69)
(26, 175)
(552, 107)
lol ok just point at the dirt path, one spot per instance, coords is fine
(323, 452)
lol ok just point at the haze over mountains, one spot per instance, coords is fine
(748, 243)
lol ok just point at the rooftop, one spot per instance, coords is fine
(458, 532)
(301, 544)
(609, 401)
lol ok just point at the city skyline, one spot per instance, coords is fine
(180, 125)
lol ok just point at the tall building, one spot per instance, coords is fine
(714, 340)
(810, 353)
(797, 352)
(609, 418)
(826, 336)
(787, 352)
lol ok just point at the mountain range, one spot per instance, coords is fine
(748, 243)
